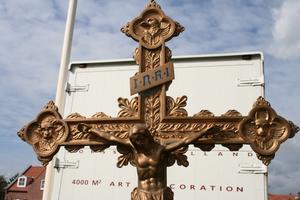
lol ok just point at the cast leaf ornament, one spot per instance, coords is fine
(175, 108)
(152, 112)
(126, 157)
(152, 59)
(179, 157)
(128, 108)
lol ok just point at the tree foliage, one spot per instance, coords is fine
(3, 184)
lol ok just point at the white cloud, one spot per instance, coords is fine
(286, 31)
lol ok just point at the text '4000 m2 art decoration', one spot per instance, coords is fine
(152, 131)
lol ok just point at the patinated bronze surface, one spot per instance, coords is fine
(152, 131)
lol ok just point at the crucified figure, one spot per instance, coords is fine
(150, 158)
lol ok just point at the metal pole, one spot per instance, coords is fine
(65, 56)
(63, 70)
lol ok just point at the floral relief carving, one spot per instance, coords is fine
(126, 157)
(128, 108)
(82, 131)
(294, 129)
(261, 102)
(21, 133)
(232, 113)
(205, 147)
(264, 129)
(99, 148)
(178, 29)
(179, 129)
(74, 148)
(118, 130)
(266, 159)
(225, 131)
(176, 108)
(229, 127)
(50, 106)
(152, 28)
(204, 113)
(152, 112)
(233, 147)
(46, 133)
(75, 116)
(153, 4)
(76, 134)
(152, 59)
(100, 115)
(168, 55)
(179, 157)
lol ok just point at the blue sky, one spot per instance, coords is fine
(32, 35)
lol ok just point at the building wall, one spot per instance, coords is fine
(16, 195)
(32, 190)
(35, 192)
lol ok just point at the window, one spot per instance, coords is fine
(42, 184)
(22, 181)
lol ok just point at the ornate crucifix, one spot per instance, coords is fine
(152, 131)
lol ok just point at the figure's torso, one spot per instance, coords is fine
(151, 169)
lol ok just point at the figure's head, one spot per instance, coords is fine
(47, 128)
(150, 22)
(140, 135)
(262, 123)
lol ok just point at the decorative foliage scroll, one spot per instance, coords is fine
(152, 111)
(176, 108)
(178, 157)
(128, 108)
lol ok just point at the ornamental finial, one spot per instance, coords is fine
(152, 28)
(153, 3)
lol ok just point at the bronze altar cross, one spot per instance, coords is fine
(152, 131)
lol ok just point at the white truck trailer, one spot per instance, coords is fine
(215, 82)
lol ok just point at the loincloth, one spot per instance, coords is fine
(162, 194)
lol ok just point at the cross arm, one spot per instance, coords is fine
(49, 131)
(188, 139)
(104, 135)
(262, 129)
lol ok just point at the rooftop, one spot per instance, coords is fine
(32, 172)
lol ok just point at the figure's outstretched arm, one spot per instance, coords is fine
(190, 138)
(104, 135)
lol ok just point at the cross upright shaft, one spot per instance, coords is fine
(152, 131)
